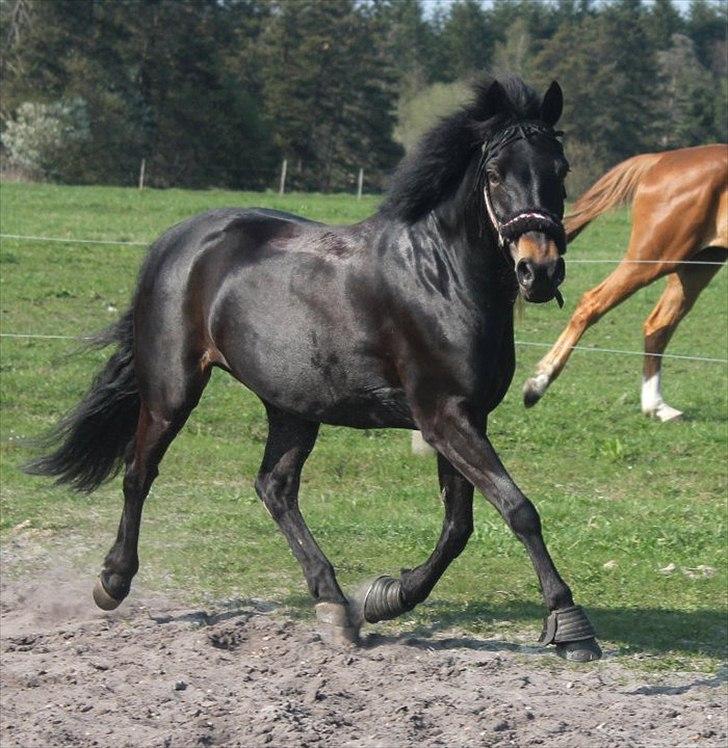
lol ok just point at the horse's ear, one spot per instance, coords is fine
(552, 105)
(491, 101)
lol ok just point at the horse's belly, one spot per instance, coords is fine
(383, 407)
(333, 384)
(331, 401)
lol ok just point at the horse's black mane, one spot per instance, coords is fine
(432, 172)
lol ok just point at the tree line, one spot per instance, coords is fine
(218, 92)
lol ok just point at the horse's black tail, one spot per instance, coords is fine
(89, 443)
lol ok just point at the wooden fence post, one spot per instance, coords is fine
(284, 168)
(141, 173)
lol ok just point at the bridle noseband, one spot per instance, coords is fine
(531, 219)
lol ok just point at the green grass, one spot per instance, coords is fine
(611, 485)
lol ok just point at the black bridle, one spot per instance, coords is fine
(530, 219)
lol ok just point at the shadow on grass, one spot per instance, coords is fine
(657, 631)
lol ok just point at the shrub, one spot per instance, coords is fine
(46, 140)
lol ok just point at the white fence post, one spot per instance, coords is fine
(359, 184)
(284, 168)
(420, 446)
(141, 173)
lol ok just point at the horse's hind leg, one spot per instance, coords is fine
(160, 420)
(682, 291)
(386, 597)
(290, 441)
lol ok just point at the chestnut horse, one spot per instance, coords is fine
(404, 320)
(679, 229)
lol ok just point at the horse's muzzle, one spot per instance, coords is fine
(540, 269)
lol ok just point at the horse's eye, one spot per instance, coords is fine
(493, 176)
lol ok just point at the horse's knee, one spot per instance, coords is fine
(270, 494)
(459, 535)
(523, 518)
(585, 313)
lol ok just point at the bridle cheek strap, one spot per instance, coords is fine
(531, 219)
(493, 218)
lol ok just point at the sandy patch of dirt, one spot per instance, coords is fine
(154, 674)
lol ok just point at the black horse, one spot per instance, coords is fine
(404, 320)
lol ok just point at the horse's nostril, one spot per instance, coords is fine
(525, 273)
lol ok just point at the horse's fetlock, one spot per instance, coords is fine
(116, 585)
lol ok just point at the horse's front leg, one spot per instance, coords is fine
(387, 597)
(454, 432)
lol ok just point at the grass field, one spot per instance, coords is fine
(621, 497)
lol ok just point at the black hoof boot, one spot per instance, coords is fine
(383, 600)
(572, 633)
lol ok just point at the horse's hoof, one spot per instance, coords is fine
(335, 624)
(665, 413)
(583, 651)
(103, 599)
(534, 389)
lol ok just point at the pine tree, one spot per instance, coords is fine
(467, 40)
(687, 101)
(330, 91)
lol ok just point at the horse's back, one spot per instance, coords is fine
(682, 201)
(676, 171)
(172, 257)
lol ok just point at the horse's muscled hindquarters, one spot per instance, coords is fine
(403, 320)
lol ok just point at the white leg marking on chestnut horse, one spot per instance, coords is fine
(539, 383)
(652, 402)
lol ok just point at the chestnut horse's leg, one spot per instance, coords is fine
(290, 441)
(157, 427)
(683, 289)
(594, 304)
(455, 433)
(386, 597)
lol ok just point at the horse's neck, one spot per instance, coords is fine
(463, 235)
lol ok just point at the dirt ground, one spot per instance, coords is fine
(155, 674)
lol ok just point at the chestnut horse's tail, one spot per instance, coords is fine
(615, 188)
(89, 443)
